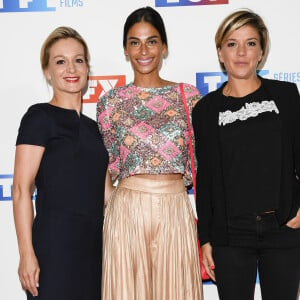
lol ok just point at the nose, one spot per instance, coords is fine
(241, 50)
(71, 67)
(144, 48)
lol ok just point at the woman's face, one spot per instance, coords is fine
(144, 49)
(241, 53)
(67, 69)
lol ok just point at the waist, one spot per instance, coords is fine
(164, 184)
(159, 176)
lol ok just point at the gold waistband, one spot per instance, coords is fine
(153, 186)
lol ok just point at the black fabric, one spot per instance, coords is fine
(258, 242)
(261, 231)
(67, 230)
(211, 205)
(250, 138)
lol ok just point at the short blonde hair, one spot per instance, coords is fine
(57, 34)
(241, 18)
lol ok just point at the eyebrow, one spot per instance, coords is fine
(251, 38)
(62, 56)
(148, 38)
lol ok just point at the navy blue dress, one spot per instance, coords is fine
(67, 229)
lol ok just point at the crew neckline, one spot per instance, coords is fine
(165, 87)
(63, 108)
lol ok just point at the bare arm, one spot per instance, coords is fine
(27, 161)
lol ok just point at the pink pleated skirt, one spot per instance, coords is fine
(150, 249)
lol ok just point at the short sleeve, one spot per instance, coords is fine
(192, 97)
(34, 127)
(104, 114)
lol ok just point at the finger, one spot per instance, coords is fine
(293, 223)
(22, 281)
(210, 272)
(37, 277)
(26, 283)
(213, 277)
(290, 222)
(29, 284)
(32, 286)
(211, 263)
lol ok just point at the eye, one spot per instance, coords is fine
(152, 42)
(80, 60)
(231, 44)
(252, 43)
(60, 62)
(134, 43)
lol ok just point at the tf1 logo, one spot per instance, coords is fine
(6, 187)
(6, 182)
(24, 6)
(210, 81)
(160, 3)
(99, 85)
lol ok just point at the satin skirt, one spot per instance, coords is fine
(150, 249)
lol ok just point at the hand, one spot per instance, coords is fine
(29, 272)
(294, 222)
(208, 261)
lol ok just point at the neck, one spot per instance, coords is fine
(69, 101)
(149, 81)
(240, 88)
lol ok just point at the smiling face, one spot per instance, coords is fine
(241, 52)
(67, 69)
(144, 49)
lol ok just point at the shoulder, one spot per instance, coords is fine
(37, 112)
(88, 119)
(91, 124)
(209, 100)
(119, 91)
(114, 95)
(35, 127)
(281, 86)
(190, 89)
(191, 93)
(39, 107)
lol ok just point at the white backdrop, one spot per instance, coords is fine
(190, 24)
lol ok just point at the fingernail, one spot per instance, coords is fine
(212, 267)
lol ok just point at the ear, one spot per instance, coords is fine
(47, 75)
(164, 51)
(220, 56)
(260, 56)
(125, 51)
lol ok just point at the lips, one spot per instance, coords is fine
(72, 79)
(145, 61)
(241, 63)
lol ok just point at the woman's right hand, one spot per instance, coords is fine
(29, 272)
(208, 261)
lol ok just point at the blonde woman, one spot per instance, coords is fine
(248, 191)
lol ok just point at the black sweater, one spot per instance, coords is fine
(210, 202)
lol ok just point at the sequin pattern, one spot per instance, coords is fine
(145, 130)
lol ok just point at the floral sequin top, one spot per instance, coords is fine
(145, 130)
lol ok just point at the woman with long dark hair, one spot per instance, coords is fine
(150, 238)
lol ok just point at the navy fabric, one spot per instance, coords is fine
(67, 229)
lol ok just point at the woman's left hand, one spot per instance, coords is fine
(295, 222)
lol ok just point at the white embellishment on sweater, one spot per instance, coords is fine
(249, 110)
